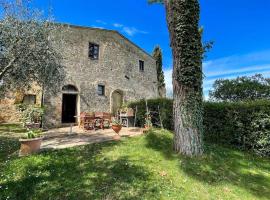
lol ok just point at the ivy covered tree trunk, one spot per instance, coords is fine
(183, 22)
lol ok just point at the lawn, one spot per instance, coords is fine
(144, 167)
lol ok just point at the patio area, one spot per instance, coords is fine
(67, 137)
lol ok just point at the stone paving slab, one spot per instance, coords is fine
(65, 137)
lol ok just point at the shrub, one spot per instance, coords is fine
(245, 125)
(30, 113)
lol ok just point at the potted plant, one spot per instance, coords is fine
(148, 121)
(116, 126)
(31, 142)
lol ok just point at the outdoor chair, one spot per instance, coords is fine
(87, 121)
(103, 120)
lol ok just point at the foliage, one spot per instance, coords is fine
(33, 133)
(148, 120)
(31, 48)
(162, 106)
(186, 42)
(116, 122)
(241, 89)
(245, 125)
(30, 113)
(157, 55)
(136, 168)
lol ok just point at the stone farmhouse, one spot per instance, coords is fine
(103, 70)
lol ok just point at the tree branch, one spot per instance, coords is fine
(9, 65)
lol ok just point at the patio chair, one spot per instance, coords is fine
(103, 120)
(107, 118)
(87, 121)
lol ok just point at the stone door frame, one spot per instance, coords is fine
(111, 98)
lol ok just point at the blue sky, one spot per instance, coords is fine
(240, 29)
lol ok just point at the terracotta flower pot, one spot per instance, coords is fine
(147, 127)
(116, 137)
(117, 128)
(29, 146)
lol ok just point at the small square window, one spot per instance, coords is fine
(141, 65)
(29, 99)
(93, 51)
(101, 90)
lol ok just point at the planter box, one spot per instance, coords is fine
(29, 146)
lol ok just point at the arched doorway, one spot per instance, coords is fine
(69, 104)
(116, 101)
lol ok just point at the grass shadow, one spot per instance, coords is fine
(80, 173)
(218, 165)
(224, 165)
(8, 146)
(159, 141)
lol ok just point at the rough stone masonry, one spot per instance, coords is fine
(103, 70)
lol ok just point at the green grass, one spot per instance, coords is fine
(139, 168)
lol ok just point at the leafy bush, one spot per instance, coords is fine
(30, 113)
(245, 125)
(34, 133)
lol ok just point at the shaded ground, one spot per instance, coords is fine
(135, 168)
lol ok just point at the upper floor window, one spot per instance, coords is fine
(141, 65)
(101, 90)
(29, 99)
(93, 51)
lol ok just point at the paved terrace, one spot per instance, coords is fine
(61, 138)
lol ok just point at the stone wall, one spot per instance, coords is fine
(117, 69)
(8, 110)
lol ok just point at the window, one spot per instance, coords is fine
(93, 51)
(141, 65)
(101, 90)
(29, 99)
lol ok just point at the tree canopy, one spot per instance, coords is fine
(157, 54)
(30, 51)
(241, 89)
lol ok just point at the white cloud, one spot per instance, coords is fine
(234, 66)
(116, 25)
(100, 27)
(256, 61)
(101, 22)
(168, 82)
(229, 68)
(130, 31)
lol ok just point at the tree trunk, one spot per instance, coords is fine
(183, 24)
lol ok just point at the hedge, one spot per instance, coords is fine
(160, 108)
(243, 125)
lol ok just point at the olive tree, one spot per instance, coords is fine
(30, 48)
